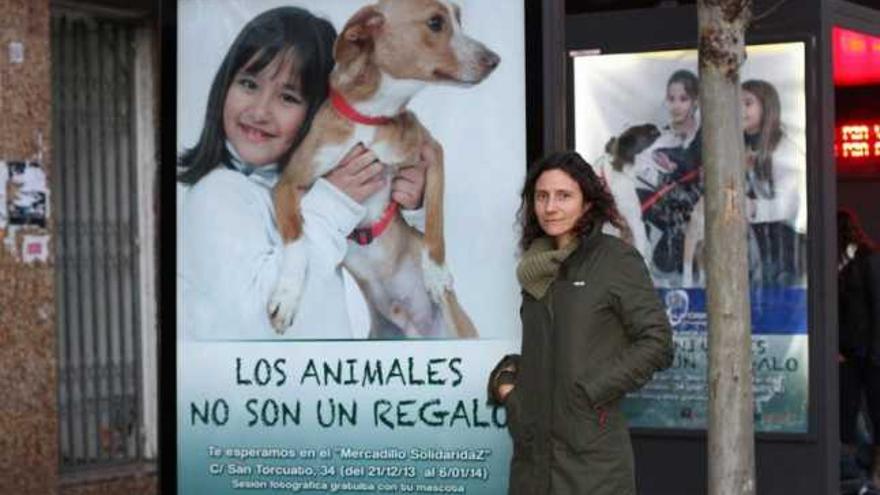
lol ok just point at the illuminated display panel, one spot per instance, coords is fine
(858, 141)
(857, 130)
(856, 58)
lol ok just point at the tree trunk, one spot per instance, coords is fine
(722, 25)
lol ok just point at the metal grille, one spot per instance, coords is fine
(97, 289)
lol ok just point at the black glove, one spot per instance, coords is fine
(504, 373)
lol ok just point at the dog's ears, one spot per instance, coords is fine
(611, 146)
(357, 35)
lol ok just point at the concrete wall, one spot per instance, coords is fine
(28, 410)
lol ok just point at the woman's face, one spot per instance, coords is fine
(263, 112)
(559, 204)
(752, 112)
(680, 104)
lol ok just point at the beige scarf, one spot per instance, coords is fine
(540, 263)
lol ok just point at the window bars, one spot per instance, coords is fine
(97, 247)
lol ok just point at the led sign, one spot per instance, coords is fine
(858, 140)
(856, 58)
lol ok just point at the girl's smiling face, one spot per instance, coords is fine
(263, 111)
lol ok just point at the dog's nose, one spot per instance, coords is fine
(489, 59)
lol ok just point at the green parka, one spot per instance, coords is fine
(599, 332)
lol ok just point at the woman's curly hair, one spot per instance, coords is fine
(593, 188)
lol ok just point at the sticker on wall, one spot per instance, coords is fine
(16, 52)
(10, 237)
(35, 248)
(27, 193)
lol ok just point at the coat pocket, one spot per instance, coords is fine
(585, 425)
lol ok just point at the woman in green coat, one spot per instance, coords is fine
(593, 330)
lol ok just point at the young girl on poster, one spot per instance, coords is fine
(669, 157)
(683, 130)
(775, 179)
(261, 104)
(673, 177)
(677, 149)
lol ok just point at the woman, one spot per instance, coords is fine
(593, 330)
(859, 333)
(262, 101)
(776, 181)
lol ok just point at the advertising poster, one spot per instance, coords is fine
(24, 195)
(337, 363)
(637, 121)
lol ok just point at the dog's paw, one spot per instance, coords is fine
(282, 308)
(285, 298)
(437, 278)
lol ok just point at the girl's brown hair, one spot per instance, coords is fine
(769, 134)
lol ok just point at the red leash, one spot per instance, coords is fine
(668, 187)
(365, 235)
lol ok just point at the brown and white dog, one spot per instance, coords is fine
(384, 55)
(692, 257)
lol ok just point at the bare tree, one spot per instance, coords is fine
(722, 25)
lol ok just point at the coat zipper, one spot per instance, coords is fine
(552, 368)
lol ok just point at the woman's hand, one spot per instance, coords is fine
(359, 174)
(502, 379)
(408, 186)
(504, 391)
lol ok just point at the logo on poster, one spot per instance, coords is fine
(677, 305)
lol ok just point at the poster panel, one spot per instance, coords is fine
(347, 398)
(637, 121)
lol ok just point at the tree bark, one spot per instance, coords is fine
(722, 25)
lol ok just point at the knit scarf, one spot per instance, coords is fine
(540, 264)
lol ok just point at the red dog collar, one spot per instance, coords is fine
(693, 174)
(365, 235)
(343, 107)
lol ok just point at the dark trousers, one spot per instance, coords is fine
(858, 376)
